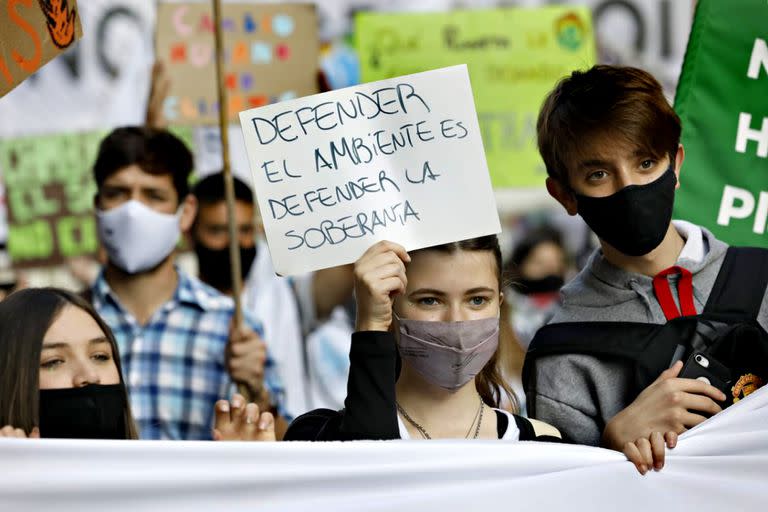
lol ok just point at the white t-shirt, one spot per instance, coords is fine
(512, 433)
(271, 299)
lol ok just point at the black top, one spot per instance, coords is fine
(370, 411)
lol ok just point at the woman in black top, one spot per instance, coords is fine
(439, 309)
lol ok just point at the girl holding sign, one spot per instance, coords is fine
(443, 305)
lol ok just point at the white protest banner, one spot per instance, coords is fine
(399, 159)
(719, 465)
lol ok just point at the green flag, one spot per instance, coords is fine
(722, 100)
(514, 56)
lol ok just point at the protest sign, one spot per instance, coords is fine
(398, 159)
(31, 34)
(515, 57)
(721, 100)
(271, 54)
(49, 193)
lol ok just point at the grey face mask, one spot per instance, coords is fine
(448, 354)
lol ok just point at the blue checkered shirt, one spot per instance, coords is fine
(175, 365)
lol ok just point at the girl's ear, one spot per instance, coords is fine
(501, 298)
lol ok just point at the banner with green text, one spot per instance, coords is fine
(515, 57)
(49, 192)
(722, 100)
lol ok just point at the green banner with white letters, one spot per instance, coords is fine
(722, 101)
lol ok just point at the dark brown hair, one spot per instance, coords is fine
(25, 317)
(613, 103)
(155, 151)
(490, 382)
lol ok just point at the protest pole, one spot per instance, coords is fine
(229, 184)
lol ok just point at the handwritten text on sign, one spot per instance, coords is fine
(399, 159)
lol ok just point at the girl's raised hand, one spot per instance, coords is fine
(379, 276)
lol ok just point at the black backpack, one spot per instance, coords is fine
(725, 335)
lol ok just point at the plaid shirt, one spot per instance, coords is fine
(174, 365)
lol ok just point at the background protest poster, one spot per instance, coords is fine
(722, 100)
(271, 54)
(31, 34)
(49, 191)
(515, 57)
(398, 160)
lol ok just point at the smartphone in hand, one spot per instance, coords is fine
(705, 368)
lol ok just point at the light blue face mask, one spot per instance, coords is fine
(448, 354)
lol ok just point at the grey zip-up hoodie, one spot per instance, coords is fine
(578, 393)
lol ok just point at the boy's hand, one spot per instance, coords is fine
(246, 355)
(670, 404)
(648, 453)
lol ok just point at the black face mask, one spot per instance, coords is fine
(88, 412)
(215, 267)
(547, 284)
(635, 219)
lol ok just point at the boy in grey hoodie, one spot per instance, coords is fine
(611, 145)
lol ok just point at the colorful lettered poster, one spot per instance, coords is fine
(515, 57)
(398, 160)
(271, 54)
(49, 192)
(722, 101)
(32, 32)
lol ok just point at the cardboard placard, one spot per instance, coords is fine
(32, 32)
(399, 159)
(49, 191)
(515, 57)
(271, 55)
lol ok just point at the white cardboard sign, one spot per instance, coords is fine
(399, 159)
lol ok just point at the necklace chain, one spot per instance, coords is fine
(478, 418)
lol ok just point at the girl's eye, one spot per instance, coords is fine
(646, 164)
(597, 175)
(428, 301)
(52, 364)
(479, 301)
(102, 357)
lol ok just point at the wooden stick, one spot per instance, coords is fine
(229, 184)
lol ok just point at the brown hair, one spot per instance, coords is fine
(621, 104)
(490, 381)
(155, 151)
(25, 317)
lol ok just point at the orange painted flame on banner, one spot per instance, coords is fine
(60, 20)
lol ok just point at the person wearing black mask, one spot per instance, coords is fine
(611, 145)
(268, 297)
(60, 373)
(538, 267)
